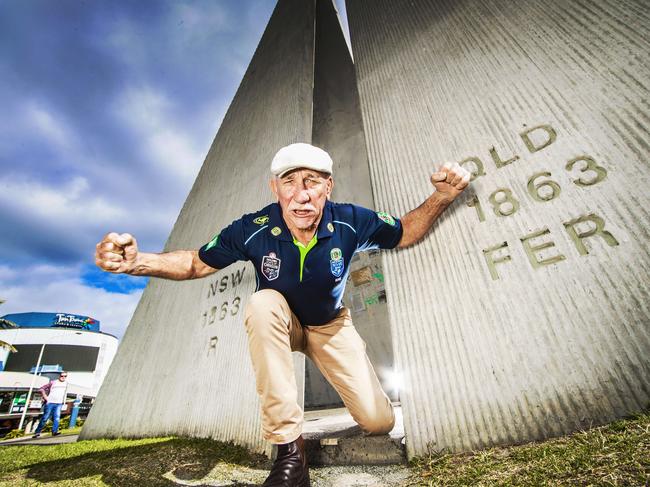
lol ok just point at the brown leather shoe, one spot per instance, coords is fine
(290, 468)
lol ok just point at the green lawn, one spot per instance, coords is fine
(617, 454)
(614, 455)
(121, 462)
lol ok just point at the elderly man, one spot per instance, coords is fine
(301, 248)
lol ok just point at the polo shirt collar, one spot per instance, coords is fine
(276, 222)
(326, 227)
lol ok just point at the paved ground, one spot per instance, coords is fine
(45, 439)
(340, 476)
(329, 423)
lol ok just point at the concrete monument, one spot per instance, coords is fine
(541, 328)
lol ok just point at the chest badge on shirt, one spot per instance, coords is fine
(336, 262)
(271, 266)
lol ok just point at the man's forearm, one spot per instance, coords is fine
(416, 223)
(177, 265)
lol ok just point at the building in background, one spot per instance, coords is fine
(67, 342)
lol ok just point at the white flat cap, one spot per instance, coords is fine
(299, 155)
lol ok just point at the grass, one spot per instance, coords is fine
(124, 462)
(617, 454)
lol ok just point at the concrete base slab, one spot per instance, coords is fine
(333, 438)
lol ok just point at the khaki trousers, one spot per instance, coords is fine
(337, 350)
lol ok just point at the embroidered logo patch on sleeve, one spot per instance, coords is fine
(386, 218)
(261, 220)
(212, 242)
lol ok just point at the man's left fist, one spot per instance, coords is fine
(450, 181)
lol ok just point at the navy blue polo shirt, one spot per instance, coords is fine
(311, 278)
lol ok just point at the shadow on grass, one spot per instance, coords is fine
(188, 460)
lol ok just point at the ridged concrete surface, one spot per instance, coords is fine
(525, 351)
(183, 366)
(338, 128)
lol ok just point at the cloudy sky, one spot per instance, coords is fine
(108, 110)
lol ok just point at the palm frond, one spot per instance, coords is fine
(4, 324)
(7, 346)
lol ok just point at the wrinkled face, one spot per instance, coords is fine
(302, 194)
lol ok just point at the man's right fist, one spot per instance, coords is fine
(116, 253)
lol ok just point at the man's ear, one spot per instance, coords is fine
(273, 184)
(330, 187)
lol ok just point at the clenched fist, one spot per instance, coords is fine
(450, 180)
(116, 253)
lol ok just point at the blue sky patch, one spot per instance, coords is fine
(93, 276)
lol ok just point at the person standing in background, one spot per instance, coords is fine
(54, 393)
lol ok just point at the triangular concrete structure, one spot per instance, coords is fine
(525, 313)
(183, 366)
